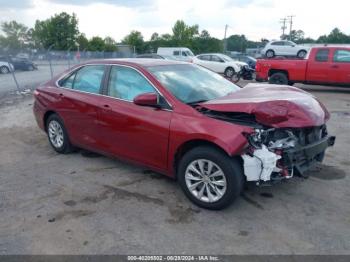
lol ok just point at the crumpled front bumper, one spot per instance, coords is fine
(301, 158)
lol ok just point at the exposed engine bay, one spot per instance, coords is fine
(277, 153)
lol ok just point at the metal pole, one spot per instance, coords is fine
(12, 70)
(290, 26)
(49, 56)
(225, 41)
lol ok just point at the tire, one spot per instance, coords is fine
(57, 135)
(278, 79)
(4, 70)
(270, 53)
(229, 72)
(30, 68)
(301, 54)
(229, 183)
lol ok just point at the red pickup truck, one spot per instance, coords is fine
(322, 65)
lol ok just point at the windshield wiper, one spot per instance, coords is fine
(197, 102)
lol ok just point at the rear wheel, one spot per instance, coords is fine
(270, 53)
(57, 135)
(210, 178)
(4, 70)
(278, 79)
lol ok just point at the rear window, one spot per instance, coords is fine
(322, 55)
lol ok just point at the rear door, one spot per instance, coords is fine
(138, 133)
(319, 67)
(341, 65)
(78, 97)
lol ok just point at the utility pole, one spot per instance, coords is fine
(283, 21)
(225, 41)
(290, 26)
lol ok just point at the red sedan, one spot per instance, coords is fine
(185, 121)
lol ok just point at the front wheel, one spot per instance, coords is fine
(229, 72)
(210, 178)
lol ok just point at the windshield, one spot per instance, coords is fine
(191, 83)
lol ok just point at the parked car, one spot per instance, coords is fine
(251, 61)
(5, 67)
(323, 65)
(219, 63)
(185, 121)
(156, 56)
(284, 48)
(20, 63)
(180, 53)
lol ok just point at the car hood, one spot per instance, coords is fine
(273, 105)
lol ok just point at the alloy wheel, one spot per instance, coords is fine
(56, 134)
(205, 180)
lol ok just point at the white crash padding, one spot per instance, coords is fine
(260, 165)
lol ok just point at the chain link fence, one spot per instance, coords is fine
(21, 71)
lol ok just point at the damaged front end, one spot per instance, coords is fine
(279, 153)
(274, 154)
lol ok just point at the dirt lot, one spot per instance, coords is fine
(90, 204)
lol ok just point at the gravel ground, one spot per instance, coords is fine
(84, 203)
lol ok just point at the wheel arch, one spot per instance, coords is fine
(46, 117)
(189, 145)
(273, 71)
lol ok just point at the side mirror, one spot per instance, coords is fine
(147, 99)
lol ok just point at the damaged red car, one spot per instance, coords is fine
(186, 122)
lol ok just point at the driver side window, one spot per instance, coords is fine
(126, 83)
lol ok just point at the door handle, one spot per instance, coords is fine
(334, 66)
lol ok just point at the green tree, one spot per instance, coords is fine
(82, 41)
(61, 31)
(335, 37)
(17, 35)
(184, 34)
(135, 39)
(96, 44)
(110, 44)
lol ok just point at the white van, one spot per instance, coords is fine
(181, 53)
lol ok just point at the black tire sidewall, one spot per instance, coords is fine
(280, 75)
(301, 51)
(231, 168)
(229, 68)
(7, 70)
(268, 51)
(66, 147)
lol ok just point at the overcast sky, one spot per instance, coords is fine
(255, 18)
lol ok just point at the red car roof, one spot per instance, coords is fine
(144, 62)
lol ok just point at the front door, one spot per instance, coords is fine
(128, 130)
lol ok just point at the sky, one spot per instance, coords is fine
(255, 18)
